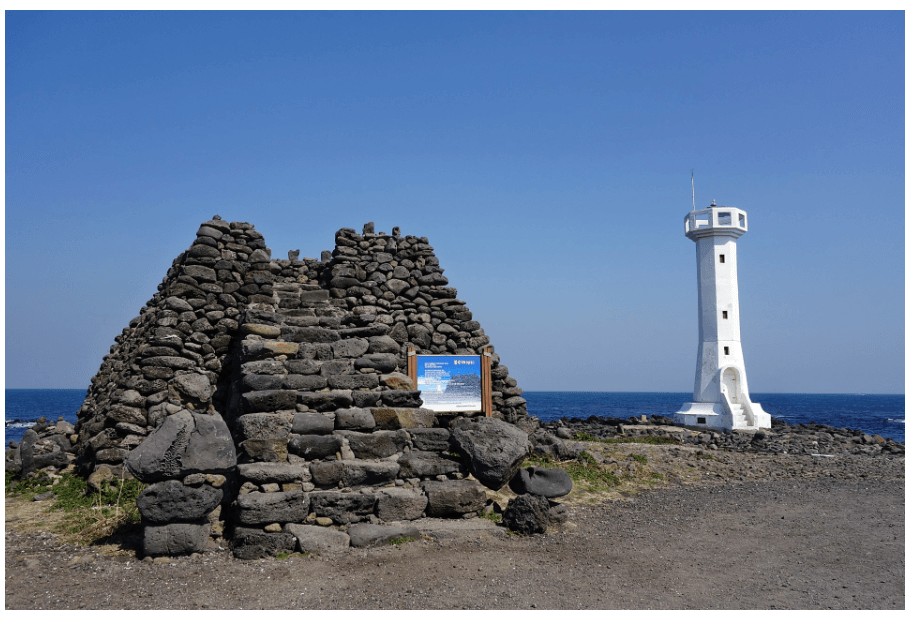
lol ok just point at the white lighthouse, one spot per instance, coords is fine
(721, 398)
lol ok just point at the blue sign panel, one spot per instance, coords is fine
(450, 382)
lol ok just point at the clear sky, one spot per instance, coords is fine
(546, 156)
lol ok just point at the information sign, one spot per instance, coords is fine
(450, 383)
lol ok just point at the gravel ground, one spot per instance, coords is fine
(737, 531)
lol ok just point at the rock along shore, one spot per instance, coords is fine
(782, 438)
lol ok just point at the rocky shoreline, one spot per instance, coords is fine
(782, 438)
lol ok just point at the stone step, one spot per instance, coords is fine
(473, 529)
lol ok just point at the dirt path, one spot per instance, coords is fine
(802, 541)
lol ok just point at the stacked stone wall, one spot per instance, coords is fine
(265, 399)
(170, 357)
(396, 282)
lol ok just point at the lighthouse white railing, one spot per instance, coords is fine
(710, 218)
(749, 410)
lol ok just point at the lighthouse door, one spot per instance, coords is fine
(730, 381)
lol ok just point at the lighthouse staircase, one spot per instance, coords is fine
(739, 415)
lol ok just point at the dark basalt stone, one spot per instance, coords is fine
(353, 382)
(264, 508)
(325, 401)
(170, 500)
(353, 473)
(254, 543)
(453, 497)
(382, 362)
(312, 424)
(313, 447)
(186, 443)
(343, 508)
(269, 400)
(175, 538)
(494, 449)
(539, 481)
(308, 334)
(376, 445)
(27, 451)
(262, 426)
(401, 398)
(354, 419)
(417, 464)
(432, 439)
(274, 472)
(528, 514)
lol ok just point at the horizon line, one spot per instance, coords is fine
(616, 392)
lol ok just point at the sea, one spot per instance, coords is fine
(880, 414)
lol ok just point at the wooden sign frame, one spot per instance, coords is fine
(487, 405)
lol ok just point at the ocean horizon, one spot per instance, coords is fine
(875, 414)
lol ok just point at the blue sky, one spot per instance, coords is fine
(546, 155)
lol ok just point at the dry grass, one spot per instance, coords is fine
(108, 519)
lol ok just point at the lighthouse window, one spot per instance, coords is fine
(721, 258)
(725, 219)
(725, 314)
(741, 220)
(726, 350)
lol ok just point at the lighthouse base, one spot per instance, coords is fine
(703, 415)
(713, 416)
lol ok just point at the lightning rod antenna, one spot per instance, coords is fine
(693, 194)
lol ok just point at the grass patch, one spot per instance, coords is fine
(705, 456)
(401, 540)
(539, 461)
(91, 517)
(639, 458)
(30, 487)
(656, 475)
(649, 439)
(490, 516)
(586, 474)
(586, 458)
